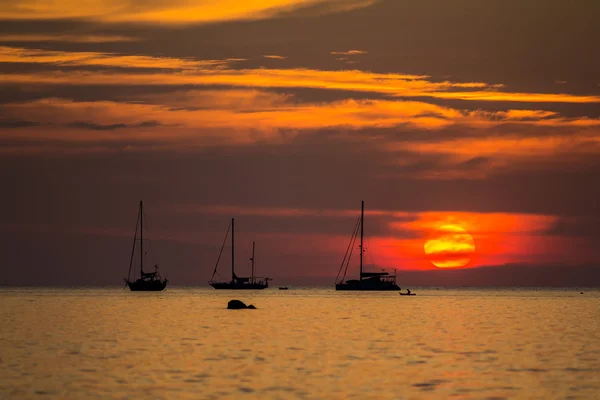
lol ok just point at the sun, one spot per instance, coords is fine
(451, 246)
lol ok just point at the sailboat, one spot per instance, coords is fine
(238, 283)
(148, 281)
(367, 280)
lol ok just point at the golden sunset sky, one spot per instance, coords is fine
(481, 115)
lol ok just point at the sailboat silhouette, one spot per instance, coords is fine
(366, 280)
(236, 282)
(148, 281)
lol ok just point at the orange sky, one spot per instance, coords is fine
(288, 113)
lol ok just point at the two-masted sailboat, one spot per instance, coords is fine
(367, 280)
(148, 281)
(236, 282)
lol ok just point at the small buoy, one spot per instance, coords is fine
(581, 293)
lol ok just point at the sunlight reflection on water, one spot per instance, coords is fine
(301, 343)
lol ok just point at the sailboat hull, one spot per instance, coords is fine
(239, 286)
(147, 286)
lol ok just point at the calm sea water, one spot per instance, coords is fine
(301, 343)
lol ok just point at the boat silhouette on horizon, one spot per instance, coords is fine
(236, 282)
(372, 281)
(148, 281)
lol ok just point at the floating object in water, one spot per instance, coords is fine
(408, 294)
(581, 293)
(239, 305)
(283, 288)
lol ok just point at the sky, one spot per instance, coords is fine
(471, 129)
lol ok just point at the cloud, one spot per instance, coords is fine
(480, 224)
(349, 53)
(392, 84)
(520, 97)
(222, 209)
(166, 12)
(82, 38)
(514, 146)
(249, 116)
(576, 227)
(112, 127)
(8, 124)
(424, 140)
(219, 72)
(80, 59)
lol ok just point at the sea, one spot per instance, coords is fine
(301, 343)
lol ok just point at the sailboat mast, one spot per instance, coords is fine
(362, 220)
(232, 247)
(137, 223)
(141, 238)
(252, 276)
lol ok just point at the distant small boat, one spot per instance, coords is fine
(283, 288)
(408, 294)
(148, 281)
(367, 280)
(238, 283)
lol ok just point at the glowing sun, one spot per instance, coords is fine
(450, 247)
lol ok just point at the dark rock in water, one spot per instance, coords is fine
(238, 305)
